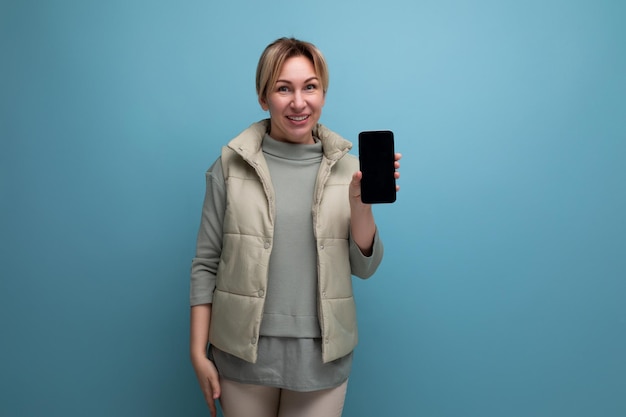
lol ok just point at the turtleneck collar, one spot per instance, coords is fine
(293, 151)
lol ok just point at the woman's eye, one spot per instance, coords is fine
(311, 87)
(283, 89)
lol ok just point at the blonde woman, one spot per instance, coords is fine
(283, 230)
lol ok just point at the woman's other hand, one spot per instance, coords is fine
(209, 381)
(397, 166)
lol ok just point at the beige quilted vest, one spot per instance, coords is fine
(247, 243)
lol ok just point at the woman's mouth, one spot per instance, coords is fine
(298, 118)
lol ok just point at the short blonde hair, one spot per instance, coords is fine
(275, 55)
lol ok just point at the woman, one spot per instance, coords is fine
(283, 229)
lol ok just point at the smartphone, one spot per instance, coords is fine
(377, 162)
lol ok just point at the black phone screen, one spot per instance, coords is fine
(377, 160)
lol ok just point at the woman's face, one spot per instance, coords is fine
(295, 102)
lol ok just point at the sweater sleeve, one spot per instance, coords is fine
(364, 266)
(209, 240)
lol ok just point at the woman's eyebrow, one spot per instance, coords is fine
(306, 81)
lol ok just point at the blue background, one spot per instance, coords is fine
(502, 290)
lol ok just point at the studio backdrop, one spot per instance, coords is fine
(501, 293)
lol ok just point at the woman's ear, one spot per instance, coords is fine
(263, 104)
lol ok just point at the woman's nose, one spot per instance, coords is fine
(298, 100)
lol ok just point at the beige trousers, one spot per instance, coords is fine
(244, 400)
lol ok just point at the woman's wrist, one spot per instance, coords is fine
(197, 354)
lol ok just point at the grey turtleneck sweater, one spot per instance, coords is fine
(291, 302)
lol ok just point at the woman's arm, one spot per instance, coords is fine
(204, 368)
(362, 224)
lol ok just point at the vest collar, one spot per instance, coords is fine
(248, 142)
